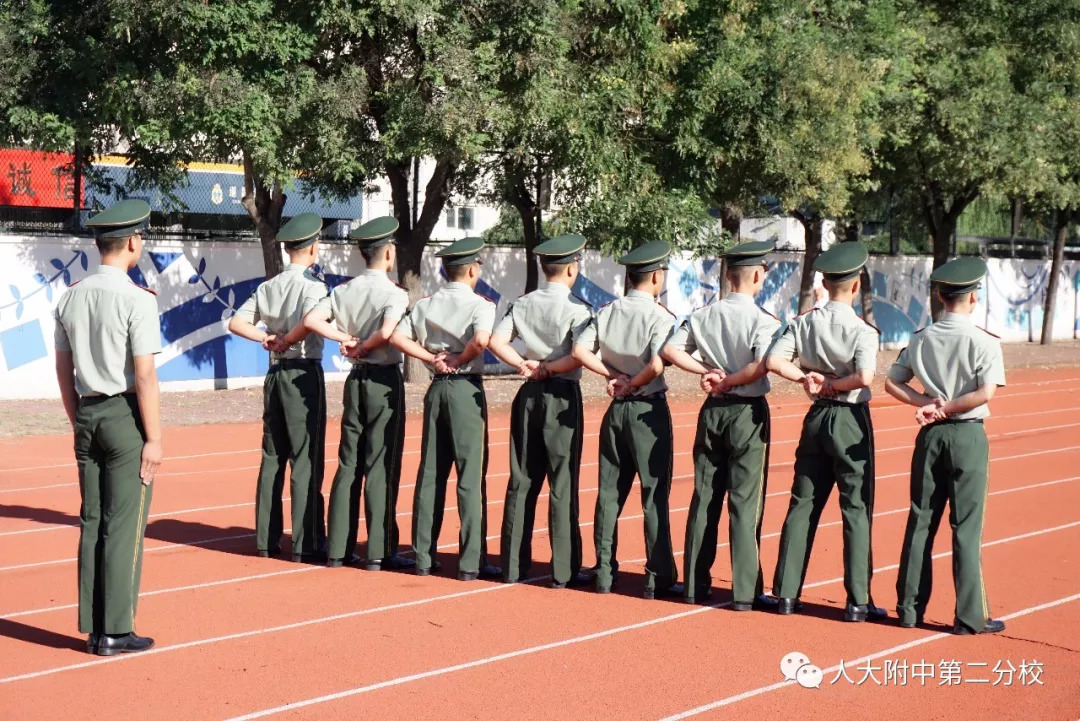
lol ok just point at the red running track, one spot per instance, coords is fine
(239, 636)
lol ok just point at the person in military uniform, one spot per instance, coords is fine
(547, 417)
(294, 396)
(731, 448)
(635, 435)
(959, 366)
(107, 334)
(362, 315)
(837, 352)
(449, 332)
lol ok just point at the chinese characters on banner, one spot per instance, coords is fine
(33, 179)
(942, 673)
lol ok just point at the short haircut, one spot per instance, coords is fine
(742, 273)
(108, 246)
(952, 296)
(368, 253)
(845, 284)
(456, 272)
(551, 270)
(638, 277)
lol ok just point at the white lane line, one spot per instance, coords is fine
(801, 413)
(259, 576)
(768, 495)
(506, 476)
(379, 609)
(863, 659)
(401, 680)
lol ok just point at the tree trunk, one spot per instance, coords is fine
(1061, 234)
(731, 216)
(527, 211)
(812, 227)
(866, 296)
(264, 206)
(412, 239)
(1017, 216)
(942, 236)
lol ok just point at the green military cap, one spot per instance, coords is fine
(301, 231)
(561, 249)
(461, 252)
(376, 232)
(750, 253)
(650, 256)
(842, 261)
(121, 220)
(962, 275)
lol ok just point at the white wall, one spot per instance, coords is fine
(201, 283)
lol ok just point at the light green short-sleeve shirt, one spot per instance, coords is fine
(950, 358)
(281, 304)
(447, 321)
(105, 321)
(833, 341)
(361, 306)
(628, 332)
(729, 335)
(547, 320)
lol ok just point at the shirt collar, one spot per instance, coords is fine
(635, 293)
(113, 271)
(948, 317)
(457, 287)
(374, 273)
(557, 288)
(744, 298)
(837, 307)
(296, 268)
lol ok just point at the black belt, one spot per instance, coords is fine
(450, 376)
(954, 421)
(294, 363)
(362, 369)
(569, 381)
(733, 398)
(658, 396)
(91, 400)
(830, 403)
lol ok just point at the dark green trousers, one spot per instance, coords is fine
(372, 439)
(950, 464)
(836, 448)
(294, 433)
(109, 438)
(731, 456)
(455, 436)
(545, 441)
(635, 440)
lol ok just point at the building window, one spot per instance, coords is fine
(461, 218)
(465, 218)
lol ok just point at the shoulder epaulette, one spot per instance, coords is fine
(151, 291)
(665, 308)
(921, 329)
(876, 329)
(800, 315)
(988, 332)
(768, 313)
(399, 285)
(587, 303)
(489, 300)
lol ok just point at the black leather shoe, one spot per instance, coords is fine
(601, 588)
(309, 557)
(675, 589)
(763, 602)
(992, 626)
(867, 612)
(434, 568)
(92, 642)
(704, 598)
(270, 553)
(393, 563)
(912, 624)
(788, 606)
(578, 579)
(490, 572)
(351, 560)
(129, 643)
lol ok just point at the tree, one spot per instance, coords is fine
(578, 85)
(977, 108)
(781, 100)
